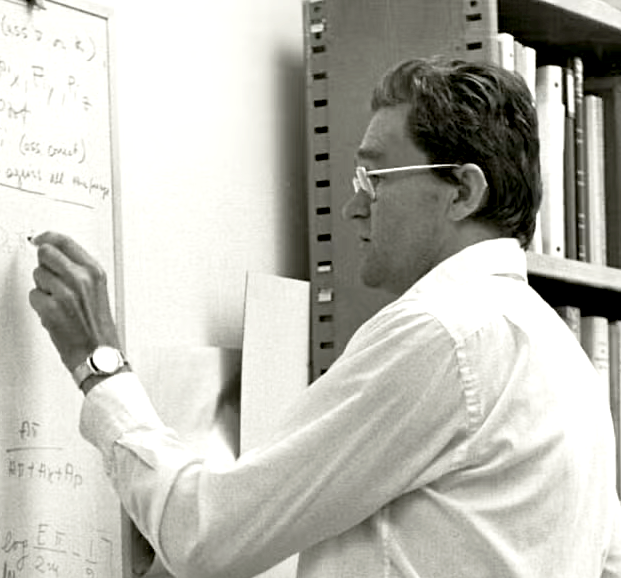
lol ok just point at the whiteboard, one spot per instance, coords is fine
(58, 170)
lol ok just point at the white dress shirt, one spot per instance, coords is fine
(462, 433)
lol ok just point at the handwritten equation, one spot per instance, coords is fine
(49, 471)
(36, 83)
(30, 460)
(48, 549)
(58, 517)
(54, 104)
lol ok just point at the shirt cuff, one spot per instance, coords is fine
(115, 406)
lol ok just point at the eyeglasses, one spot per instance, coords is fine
(362, 181)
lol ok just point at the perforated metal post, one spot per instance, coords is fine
(319, 187)
(348, 46)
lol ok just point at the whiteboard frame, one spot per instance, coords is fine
(107, 13)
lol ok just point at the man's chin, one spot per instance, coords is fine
(376, 278)
(371, 277)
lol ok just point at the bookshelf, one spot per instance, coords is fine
(348, 48)
(569, 24)
(574, 272)
(595, 289)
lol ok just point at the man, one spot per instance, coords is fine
(462, 432)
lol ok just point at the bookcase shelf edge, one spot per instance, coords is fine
(595, 10)
(574, 272)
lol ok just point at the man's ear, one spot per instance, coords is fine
(470, 193)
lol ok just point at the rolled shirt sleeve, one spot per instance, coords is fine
(389, 416)
(463, 419)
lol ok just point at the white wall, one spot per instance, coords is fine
(211, 124)
(211, 103)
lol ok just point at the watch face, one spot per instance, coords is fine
(106, 359)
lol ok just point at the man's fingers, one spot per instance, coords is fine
(71, 343)
(75, 275)
(67, 246)
(57, 262)
(71, 298)
(54, 301)
(47, 282)
(41, 302)
(69, 261)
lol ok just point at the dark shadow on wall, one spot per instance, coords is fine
(292, 221)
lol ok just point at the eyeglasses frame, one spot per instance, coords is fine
(362, 175)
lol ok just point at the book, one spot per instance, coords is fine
(506, 54)
(580, 159)
(570, 314)
(614, 343)
(594, 340)
(551, 113)
(522, 60)
(609, 88)
(569, 164)
(595, 207)
(525, 64)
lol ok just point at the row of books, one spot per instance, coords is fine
(601, 340)
(579, 130)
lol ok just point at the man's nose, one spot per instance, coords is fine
(357, 207)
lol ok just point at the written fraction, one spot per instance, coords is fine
(48, 549)
(43, 481)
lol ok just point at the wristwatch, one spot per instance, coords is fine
(104, 361)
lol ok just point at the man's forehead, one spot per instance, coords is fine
(385, 135)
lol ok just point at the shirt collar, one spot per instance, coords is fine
(493, 257)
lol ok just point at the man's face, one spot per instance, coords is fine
(403, 233)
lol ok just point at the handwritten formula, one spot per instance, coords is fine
(54, 104)
(33, 460)
(59, 515)
(52, 550)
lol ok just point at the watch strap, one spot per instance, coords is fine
(86, 369)
(81, 372)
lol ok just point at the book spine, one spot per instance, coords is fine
(551, 114)
(526, 65)
(506, 53)
(612, 172)
(614, 342)
(569, 175)
(580, 160)
(530, 69)
(518, 59)
(595, 209)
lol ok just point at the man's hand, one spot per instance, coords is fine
(71, 298)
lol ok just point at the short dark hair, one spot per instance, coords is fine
(479, 113)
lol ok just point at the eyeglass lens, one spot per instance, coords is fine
(361, 182)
